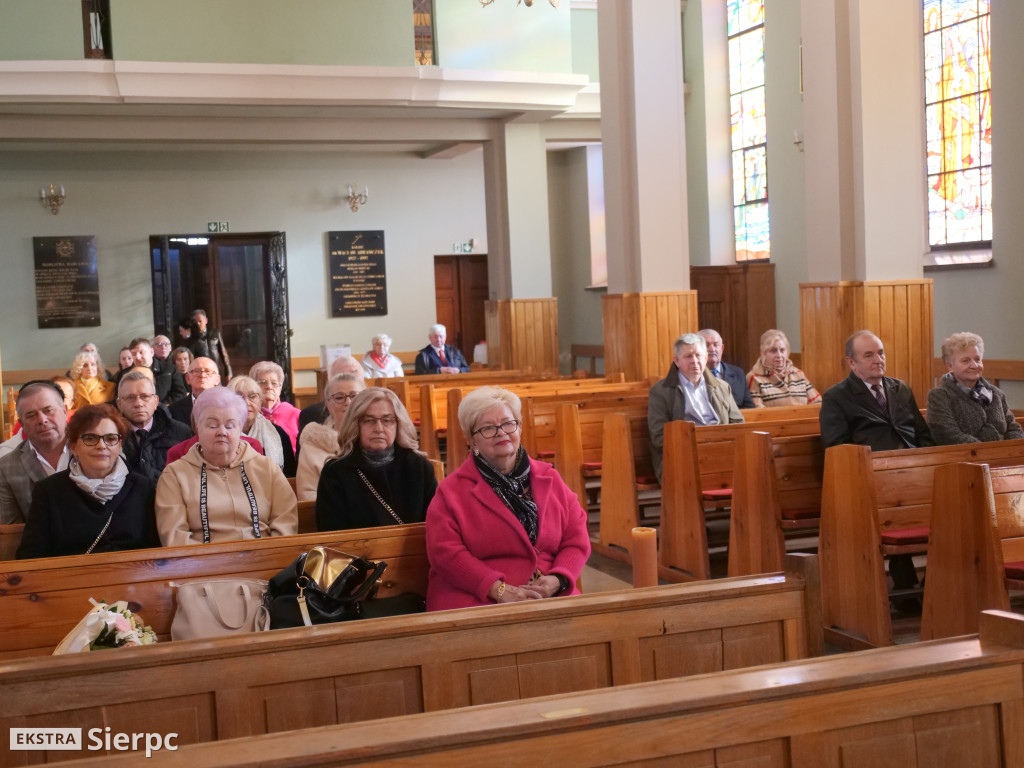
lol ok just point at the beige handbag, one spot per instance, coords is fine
(215, 607)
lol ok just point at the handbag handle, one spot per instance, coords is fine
(212, 599)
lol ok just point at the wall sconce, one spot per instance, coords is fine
(356, 199)
(53, 199)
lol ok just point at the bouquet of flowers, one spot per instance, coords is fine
(107, 626)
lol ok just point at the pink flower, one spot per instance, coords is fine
(121, 624)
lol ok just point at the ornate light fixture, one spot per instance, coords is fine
(53, 199)
(529, 3)
(355, 199)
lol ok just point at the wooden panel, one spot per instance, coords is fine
(640, 329)
(738, 301)
(686, 653)
(524, 332)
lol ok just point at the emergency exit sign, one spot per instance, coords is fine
(217, 226)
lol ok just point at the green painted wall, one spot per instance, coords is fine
(327, 32)
(504, 36)
(41, 30)
(584, 44)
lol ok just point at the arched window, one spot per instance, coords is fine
(958, 116)
(749, 128)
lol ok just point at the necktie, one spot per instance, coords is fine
(717, 372)
(141, 434)
(879, 394)
(440, 353)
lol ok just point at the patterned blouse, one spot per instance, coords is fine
(771, 388)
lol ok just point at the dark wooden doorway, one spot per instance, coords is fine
(241, 282)
(460, 289)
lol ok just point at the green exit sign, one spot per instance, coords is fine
(217, 226)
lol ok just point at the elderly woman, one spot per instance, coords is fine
(965, 407)
(222, 489)
(270, 377)
(274, 440)
(502, 527)
(377, 363)
(319, 442)
(90, 386)
(182, 358)
(774, 380)
(380, 476)
(96, 504)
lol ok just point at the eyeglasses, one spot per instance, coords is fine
(341, 397)
(491, 430)
(203, 373)
(89, 438)
(135, 398)
(269, 384)
(254, 396)
(162, 344)
(385, 421)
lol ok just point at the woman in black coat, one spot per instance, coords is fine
(381, 477)
(97, 504)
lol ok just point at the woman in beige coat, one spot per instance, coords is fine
(319, 442)
(222, 489)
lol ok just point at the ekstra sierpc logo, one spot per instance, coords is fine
(46, 739)
(67, 739)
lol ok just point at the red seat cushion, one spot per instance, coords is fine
(545, 454)
(917, 535)
(800, 514)
(646, 479)
(717, 494)
(1015, 570)
(442, 431)
(591, 465)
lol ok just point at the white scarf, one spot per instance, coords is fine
(102, 488)
(264, 431)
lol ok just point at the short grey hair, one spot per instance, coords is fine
(133, 375)
(340, 377)
(381, 337)
(690, 339)
(264, 367)
(961, 340)
(438, 327)
(349, 362)
(480, 400)
(246, 385)
(848, 349)
(220, 398)
(771, 335)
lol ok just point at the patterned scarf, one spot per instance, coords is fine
(514, 490)
(102, 488)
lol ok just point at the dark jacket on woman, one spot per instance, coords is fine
(64, 520)
(344, 501)
(955, 417)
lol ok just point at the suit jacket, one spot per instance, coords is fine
(733, 376)
(20, 470)
(668, 403)
(428, 361)
(170, 384)
(150, 458)
(850, 414)
(181, 410)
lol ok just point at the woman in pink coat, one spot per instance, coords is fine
(502, 527)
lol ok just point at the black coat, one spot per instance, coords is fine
(150, 458)
(181, 410)
(734, 376)
(850, 414)
(170, 384)
(343, 501)
(65, 521)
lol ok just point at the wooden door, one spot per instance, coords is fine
(461, 288)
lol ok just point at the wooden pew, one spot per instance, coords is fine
(42, 600)
(209, 690)
(952, 703)
(975, 546)
(876, 505)
(781, 413)
(10, 539)
(408, 387)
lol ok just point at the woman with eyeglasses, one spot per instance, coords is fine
(318, 443)
(380, 476)
(223, 489)
(274, 440)
(270, 377)
(502, 527)
(96, 504)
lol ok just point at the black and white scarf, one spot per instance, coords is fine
(514, 490)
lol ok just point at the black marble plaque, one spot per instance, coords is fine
(67, 282)
(358, 279)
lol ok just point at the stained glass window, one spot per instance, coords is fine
(749, 128)
(423, 31)
(958, 116)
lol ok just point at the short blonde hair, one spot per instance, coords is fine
(771, 335)
(246, 385)
(348, 430)
(481, 400)
(961, 340)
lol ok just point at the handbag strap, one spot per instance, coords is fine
(379, 497)
(97, 540)
(369, 584)
(211, 597)
(204, 514)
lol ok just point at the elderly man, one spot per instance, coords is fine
(731, 374)
(317, 412)
(161, 347)
(40, 408)
(688, 393)
(207, 342)
(438, 357)
(170, 385)
(153, 430)
(202, 375)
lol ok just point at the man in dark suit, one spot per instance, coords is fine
(438, 357)
(202, 375)
(732, 375)
(869, 408)
(44, 420)
(153, 430)
(170, 384)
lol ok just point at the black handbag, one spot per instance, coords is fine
(322, 586)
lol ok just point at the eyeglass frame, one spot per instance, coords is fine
(337, 397)
(267, 384)
(110, 439)
(203, 373)
(388, 420)
(498, 428)
(137, 398)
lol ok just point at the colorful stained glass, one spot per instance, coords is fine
(958, 121)
(749, 128)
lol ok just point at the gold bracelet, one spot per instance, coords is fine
(501, 591)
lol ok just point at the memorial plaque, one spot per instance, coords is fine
(358, 279)
(67, 282)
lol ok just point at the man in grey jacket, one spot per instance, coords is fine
(688, 393)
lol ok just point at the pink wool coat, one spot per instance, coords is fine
(473, 539)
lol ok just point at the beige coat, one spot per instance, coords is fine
(318, 444)
(228, 509)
